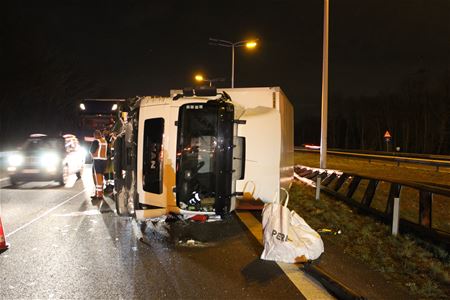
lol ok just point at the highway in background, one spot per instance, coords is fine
(440, 162)
(65, 246)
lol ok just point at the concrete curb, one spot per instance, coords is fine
(333, 285)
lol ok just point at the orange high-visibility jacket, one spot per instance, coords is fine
(100, 153)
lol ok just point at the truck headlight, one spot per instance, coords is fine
(15, 160)
(49, 159)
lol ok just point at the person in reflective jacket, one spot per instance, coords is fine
(109, 171)
(98, 152)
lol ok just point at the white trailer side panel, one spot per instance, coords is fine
(270, 143)
(262, 154)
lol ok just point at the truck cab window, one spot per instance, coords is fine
(153, 159)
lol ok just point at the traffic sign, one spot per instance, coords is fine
(387, 135)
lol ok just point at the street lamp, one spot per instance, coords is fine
(249, 44)
(200, 78)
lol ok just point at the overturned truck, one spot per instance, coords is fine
(200, 151)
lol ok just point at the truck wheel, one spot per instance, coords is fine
(126, 196)
(121, 199)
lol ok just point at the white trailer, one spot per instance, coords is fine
(199, 151)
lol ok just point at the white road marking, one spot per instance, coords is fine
(308, 286)
(44, 214)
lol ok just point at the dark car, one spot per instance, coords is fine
(44, 158)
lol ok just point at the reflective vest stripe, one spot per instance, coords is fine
(100, 153)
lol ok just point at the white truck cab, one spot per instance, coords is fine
(199, 151)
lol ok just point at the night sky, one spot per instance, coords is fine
(78, 49)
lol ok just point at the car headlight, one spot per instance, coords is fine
(49, 159)
(15, 160)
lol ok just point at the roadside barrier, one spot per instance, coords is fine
(3, 245)
(436, 161)
(333, 184)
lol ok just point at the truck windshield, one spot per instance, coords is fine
(204, 156)
(197, 144)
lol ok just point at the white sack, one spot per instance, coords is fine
(287, 236)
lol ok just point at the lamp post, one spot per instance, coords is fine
(324, 115)
(250, 44)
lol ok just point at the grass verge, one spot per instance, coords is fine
(403, 259)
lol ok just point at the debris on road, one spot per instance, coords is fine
(193, 243)
(330, 231)
(199, 218)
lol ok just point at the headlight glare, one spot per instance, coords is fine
(49, 159)
(15, 160)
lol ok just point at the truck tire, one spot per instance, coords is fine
(126, 196)
(121, 199)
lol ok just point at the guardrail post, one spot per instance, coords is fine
(394, 192)
(312, 175)
(304, 172)
(318, 188)
(340, 182)
(425, 204)
(370, 192)
(395, 216)
(353, 186)
(329, 179)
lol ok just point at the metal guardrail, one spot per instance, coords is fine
(436, 161)
(332, 183)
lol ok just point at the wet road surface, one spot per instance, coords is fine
(65, 246)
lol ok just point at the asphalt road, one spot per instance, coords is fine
(65, 246)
